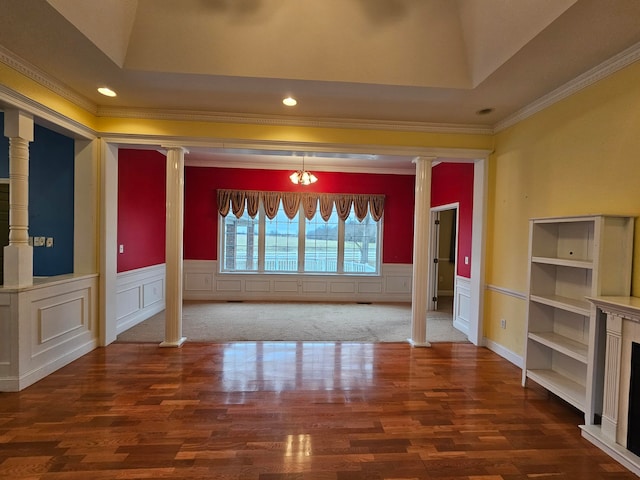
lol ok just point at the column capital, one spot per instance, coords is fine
(18, 124)
(174, 148)
(423, 159)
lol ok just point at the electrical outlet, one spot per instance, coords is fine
(49, 241)
(503, 323)
(38, 241)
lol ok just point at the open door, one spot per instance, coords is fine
(443, 254)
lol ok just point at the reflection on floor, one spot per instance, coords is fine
(293, 410)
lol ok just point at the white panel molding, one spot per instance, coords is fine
(505, 353)
(140, 294)
(204, 282)
(50, 324)
(57, 320)
(462, 304)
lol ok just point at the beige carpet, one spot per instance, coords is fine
(222, 322)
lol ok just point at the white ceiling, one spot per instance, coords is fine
(395, 62)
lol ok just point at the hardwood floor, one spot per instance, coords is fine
(267, 411)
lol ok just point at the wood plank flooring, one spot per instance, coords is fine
(293, 411)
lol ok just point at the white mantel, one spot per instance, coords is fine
(623, 328)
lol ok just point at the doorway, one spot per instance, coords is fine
(444, 254)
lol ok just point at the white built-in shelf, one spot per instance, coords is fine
(563, 262)
(563, 387)
(570, 259)
(567, 346)
(581, 307)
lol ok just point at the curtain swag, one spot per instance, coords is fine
(237, 200)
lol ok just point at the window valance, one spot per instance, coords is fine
(237, 200)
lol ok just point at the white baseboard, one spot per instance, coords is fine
(505, 353)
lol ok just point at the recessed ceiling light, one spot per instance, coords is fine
(107, 92)
(484, 111)
(290, 102)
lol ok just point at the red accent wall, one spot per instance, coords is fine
(453, 182)
(201, 214)
(141, 208)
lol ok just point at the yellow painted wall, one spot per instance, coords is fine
(34, 91)
(579, 156)
(204, 130)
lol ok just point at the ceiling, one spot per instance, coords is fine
(415, 63)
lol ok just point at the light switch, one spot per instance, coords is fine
(121, 249)
(466, 260)
(49, 242)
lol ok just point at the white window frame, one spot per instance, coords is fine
(301, 248)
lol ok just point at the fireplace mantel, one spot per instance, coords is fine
(624, 307)
(622, 328)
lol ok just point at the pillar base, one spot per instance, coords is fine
(418, 344)
(177, 344)
(18, 266)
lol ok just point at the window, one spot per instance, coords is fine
(360, 244)
(312, 237)
(281, 243)
(240, 243)
(321, 244)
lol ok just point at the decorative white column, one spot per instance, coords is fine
(611, 392)
(421, 253)
(174, 246)
(18, 255)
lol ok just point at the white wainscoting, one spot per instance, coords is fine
(202, 281)
(140, 294)
(462, 304)
(46, 326)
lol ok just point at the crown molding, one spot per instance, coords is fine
(34, 73)
(594, 75)
(272, 120)
(47, 117)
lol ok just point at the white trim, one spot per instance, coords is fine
(505, 353)
(291, 163)
(462, 304)
(45, 116)
(270, 120)
(39, 76)
(478, 229)
(594, 75)
(434, 245)
(507, 291)
(593, 433)
(202, 281)
(15, 384)
(140, 295)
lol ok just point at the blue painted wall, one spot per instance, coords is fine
(51, 180)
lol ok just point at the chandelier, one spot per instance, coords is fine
(302, 176)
